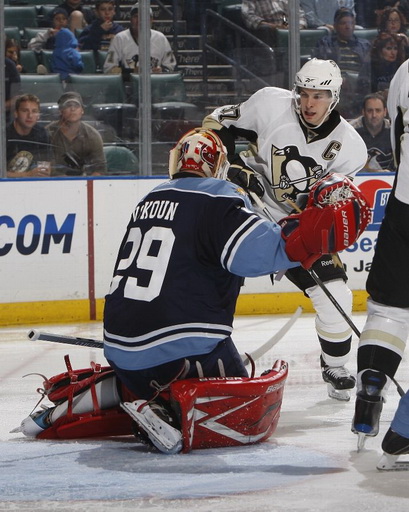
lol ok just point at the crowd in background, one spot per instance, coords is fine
(104, 28)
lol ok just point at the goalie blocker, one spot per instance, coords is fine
(210, 412)
(335, 216)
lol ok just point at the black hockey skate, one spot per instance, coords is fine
(368, 406)
(339, 381)
(393, 445)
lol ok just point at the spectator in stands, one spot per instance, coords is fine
(123, 53)
(263, 17)
(12, 85)
(392, 21)
(28, 144)
(13, 52)
(45, 40)
(351, 53)
(321, 14)
(387, 54)
(374, 127)
(79, 15)
(77, 146)
(403, 6)
(98, 35)
(66, 59)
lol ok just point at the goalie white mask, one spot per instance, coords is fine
(200, 152)
(323, 75)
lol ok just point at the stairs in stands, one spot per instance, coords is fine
(189, 55)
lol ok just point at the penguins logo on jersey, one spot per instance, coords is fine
(292, 173)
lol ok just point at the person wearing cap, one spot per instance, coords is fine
(351, 53)
(77, 146)
(45, 40)
(123, 53)
(98, 35)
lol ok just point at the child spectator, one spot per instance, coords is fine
(66, 58)
(45, 40)
(98, 35)
(13, 53)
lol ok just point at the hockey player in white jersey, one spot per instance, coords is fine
(297, 137)
(384, 336)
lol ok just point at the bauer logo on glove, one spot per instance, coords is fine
(336, 214)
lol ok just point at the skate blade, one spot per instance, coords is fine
(361, 441)
(16, 430)
(391, 463)
(338, 394)
(166, 438)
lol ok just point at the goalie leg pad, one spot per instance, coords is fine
(229, 411)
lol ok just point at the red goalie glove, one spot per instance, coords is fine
(336, 215)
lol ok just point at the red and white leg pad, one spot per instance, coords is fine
(229, 411)
(212, 412)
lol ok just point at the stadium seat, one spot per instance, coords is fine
(88, 58)
(308, 39)
(104, 99)
(29, 61)
(100, 58)
(45, 58)
(172, 115)
(367, 33)
(13, 33)
(48, 88)
(20, 16)
(121, 160)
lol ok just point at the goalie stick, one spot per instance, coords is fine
(35, 335)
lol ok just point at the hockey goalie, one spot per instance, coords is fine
(175, 378)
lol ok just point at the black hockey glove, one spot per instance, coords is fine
(245, 178)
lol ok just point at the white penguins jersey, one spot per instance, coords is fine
(124, 51)
(398, 109)
(288, 157)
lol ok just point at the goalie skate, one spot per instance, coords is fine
(394, 445)
(166, 438)
(34, 424)
(339, 381)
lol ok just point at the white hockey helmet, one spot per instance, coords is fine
(201, 152)
(323, 75)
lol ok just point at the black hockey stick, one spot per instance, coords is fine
(60, 338)
(89, 342)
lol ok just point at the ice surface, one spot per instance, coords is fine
(310, 464)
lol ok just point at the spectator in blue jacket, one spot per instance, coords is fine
(99, 33)
(66, 59)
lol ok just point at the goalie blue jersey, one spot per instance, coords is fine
(181, 264)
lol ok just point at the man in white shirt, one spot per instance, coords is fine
(123, 53)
